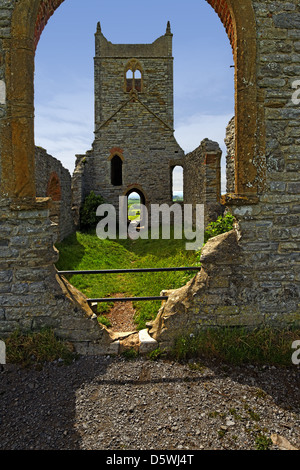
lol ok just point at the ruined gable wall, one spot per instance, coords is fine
(202, 179)
(46, 167)
(147, 146)
(139, 126)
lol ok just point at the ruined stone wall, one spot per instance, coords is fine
(202, 179)
(32, 295)
(230, 156)
(49, 170)
(137, 126)
(250, 276)
(147, 155)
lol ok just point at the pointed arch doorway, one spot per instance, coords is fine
(137, 213)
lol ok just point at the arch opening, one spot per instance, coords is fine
(18, 124)
(116, 171)
(177, 183)
(239, 23)
(134, 206)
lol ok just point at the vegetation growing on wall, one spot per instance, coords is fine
(221, 225)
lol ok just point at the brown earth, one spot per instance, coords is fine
(121, 316)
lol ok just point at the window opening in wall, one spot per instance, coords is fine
(133, 76)
(195, 121)
(134, 207)
(54, 189)
(129, 80)
(116, 171)
(177, 183)
(138, 80)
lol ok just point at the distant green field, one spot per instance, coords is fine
(85, 251)
(134, 209)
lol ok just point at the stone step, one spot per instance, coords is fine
(147, 344)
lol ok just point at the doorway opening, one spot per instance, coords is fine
(136, 203)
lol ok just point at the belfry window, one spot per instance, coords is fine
(133, 73)
(116, 169)
(138, 80)
(129, 80)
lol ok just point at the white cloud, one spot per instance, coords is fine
(64, 124)
(191, 131)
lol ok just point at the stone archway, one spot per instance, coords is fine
(28, 21)
(239, 22)
(29, 17)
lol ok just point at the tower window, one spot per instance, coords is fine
(116, 171)
(129, 80)
(133, 74)
(138, 80)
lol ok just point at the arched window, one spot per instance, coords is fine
(129, 80)
(177, 183)
(116, 171)
(53, 188)
(138, 80)
(133, 73)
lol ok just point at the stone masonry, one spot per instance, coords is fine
(249, 276)
(133, 123)
(53, 180)
(230, 156)
(202, 180)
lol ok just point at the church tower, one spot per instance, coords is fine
(134, 149)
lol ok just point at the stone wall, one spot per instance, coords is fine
(230, 156)
(135, 125)
(249, 277)
(202, 179)
(53, 180)
(32, 295)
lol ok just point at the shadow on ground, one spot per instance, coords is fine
(71, 407)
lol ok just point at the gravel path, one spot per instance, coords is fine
(103, 403)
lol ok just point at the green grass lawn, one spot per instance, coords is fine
(85, 251)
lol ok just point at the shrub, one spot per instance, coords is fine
(88, 218)
(221, 225)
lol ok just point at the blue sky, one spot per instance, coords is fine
(64, 68)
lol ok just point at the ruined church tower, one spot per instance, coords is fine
(134, 149)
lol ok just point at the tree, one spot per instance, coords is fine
(88, 218)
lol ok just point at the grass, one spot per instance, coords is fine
(239, 346)
(36, 348)
(133, 209)
(85, 251)
(263, 442)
